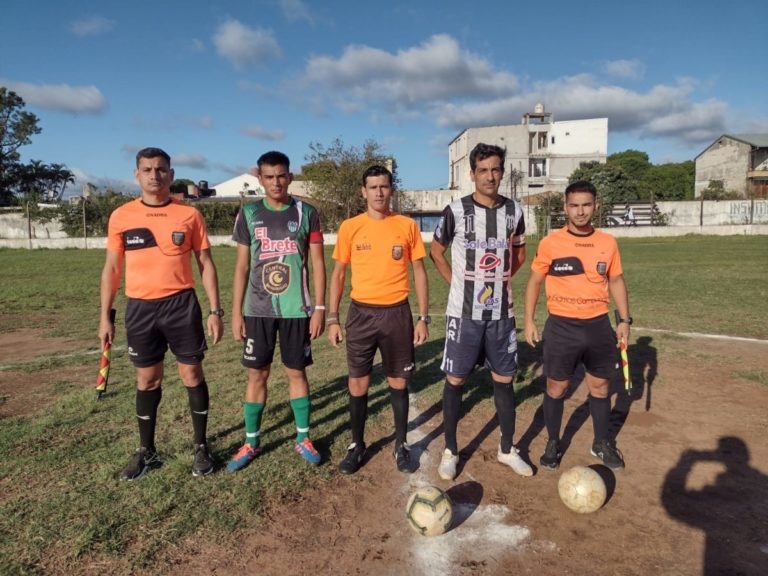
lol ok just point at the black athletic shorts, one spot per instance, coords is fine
(386, 328)
(570, 341)
(492, 343)
(261, 334)
(152, 326)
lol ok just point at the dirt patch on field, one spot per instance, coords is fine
(21, 393)
(692, 500)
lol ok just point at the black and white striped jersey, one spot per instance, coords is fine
(481, 242)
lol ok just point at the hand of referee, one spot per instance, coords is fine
(215, 327)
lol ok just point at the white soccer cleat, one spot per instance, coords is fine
(514, 461)
(448, 464)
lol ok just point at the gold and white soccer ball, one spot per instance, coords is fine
(582, 489)
(429, 511)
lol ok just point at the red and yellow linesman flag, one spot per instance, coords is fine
(106, 357)
(625, 364)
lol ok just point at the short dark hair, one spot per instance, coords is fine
(377, 170)
(273, 158)
(483, 151)
(581, 186)
(152, 153)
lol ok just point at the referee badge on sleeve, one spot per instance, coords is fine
(397, 251)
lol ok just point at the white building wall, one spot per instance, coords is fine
(575, 141)
(726, 160)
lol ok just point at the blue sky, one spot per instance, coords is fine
(218, 83)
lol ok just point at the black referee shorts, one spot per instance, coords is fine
(570, 341)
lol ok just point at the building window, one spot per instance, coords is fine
(553, 139)
(537, 167)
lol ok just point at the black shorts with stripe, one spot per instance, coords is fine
(175, 322)
(261, 336)
(570, 341)
(386, 328)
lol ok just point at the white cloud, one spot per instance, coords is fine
(190, 161)
(262, 133)
(626, 69)
(60, 97)
(92, 26)
(296, 10)
(756, 126)
(245, 47)
(436, 70)
(198, 45)
(662, 111)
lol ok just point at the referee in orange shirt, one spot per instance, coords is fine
(378, 246)
(580, 266)
(156, 237)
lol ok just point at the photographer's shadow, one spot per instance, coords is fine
(732, 511)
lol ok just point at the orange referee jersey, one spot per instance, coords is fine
(577, 270)
(379, 252)
(158, 242)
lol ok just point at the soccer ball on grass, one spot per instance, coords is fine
(429, 511)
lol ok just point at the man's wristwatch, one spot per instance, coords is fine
(426, 319)
(626, 320)
(218, 312)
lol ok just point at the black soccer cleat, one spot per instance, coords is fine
(608, 453)
(552, 455)
(403, 459)
(202, 465)
(353, 460)
(141, 461)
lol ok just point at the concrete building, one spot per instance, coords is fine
(740, 162)
(541, 153)
(248, 186)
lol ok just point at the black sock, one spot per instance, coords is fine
(147, 402)
(399, 399)
(504, 398)
(358, 412)
(198, 405)
(451, 411)
(553, 415)
(600, 409)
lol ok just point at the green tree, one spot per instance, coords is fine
(717, 191)
(16, 130)
(334, 175)
(634, 163)
(98, 208)
(672, 181)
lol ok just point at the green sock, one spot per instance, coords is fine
(300, 407)
(252, 412)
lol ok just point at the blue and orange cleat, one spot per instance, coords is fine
(244, 456)
(306, 450)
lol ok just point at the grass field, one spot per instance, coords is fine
(58, 489)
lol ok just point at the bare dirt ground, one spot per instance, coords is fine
(692, 500)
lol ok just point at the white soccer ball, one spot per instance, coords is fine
(582, 489)
(429, 511)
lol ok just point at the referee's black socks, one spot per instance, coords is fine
(553, 415)
(198, 405)
(399, 399)
(147, 402)
(600, 409)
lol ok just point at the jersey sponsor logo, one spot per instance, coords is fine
(489, 244)
(177, 238)
(271, 248)
(293, 226)
(582, 245)
(276, 277)
(570, 266)
(489, 262)
(363, 247)
(138, 238)
(486, 299)
(397, 251)
(157, 215)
